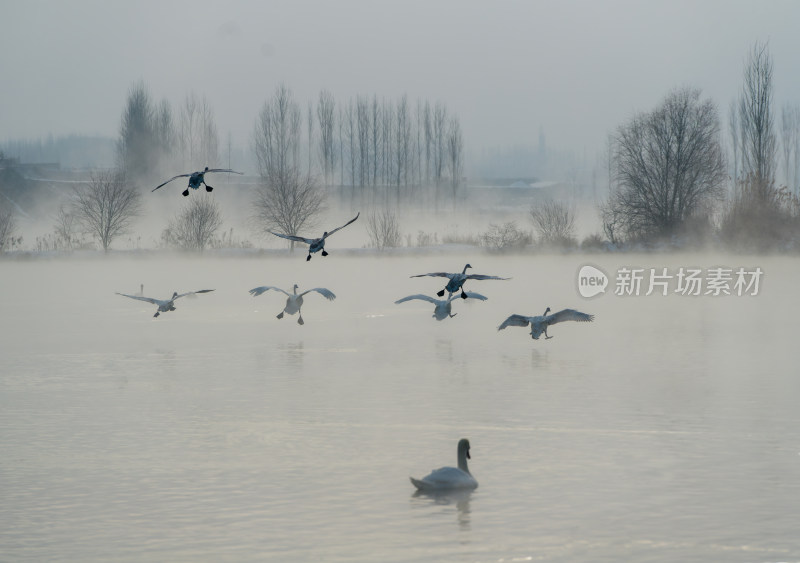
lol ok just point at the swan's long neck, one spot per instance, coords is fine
(464, 271)
(463, 453)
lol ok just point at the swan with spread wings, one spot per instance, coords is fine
(294, 300)
(540, 323)
(197, 178)
(457, 280)
(165, 305)
(315, 244)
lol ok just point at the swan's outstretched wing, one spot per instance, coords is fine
(515, 320)
(224, 170)
(256, 291)
(471, 295)
(419, 296)
(434, 274)
(293, 237)
(140, 298)
(327, 293)
(168, 181)
(568, 315)
(484, 277)
(192, 293)
(343, 226)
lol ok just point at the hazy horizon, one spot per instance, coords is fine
(570, 71)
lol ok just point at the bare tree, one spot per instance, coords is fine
(8, 224)
(287, 200)
(506, 236)
(165, 128)
(790, 142)
(554, 221)
(289, 206)
(383, 229)
(310, 125)
(667, 163)
(736, 138)
(455, 155)
(194, 227)
(363, 128)
(107, 206)
(326, 116)
(758, 139)
(439, 150)
(138, 147)
(65, 226)
(199, 136)
(276, 138)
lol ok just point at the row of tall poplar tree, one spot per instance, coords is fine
(395, 147)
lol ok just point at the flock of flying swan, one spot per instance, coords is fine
(439, 480)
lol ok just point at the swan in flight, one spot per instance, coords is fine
(449, 478)
(539, 324)
(197, 178)
(443, 306)
(165, 305)
(315, 244)
(295, 300)
(457, 280)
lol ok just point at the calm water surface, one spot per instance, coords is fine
(667, 430)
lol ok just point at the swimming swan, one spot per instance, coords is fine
(197, 178)
(165, 305)
(457, 280)
(295, 300)
(315, 244)
(443, 306)
(449, 478)
(539, 324)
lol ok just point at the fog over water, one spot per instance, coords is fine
(666, 430)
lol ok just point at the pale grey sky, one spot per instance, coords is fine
(577, 69)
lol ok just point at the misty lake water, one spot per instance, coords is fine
(667, 430)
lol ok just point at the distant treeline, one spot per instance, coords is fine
(71, 151)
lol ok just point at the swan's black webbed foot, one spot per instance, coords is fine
(440, 293)
(324, 253)
(453, 315)
(308, 258)
(280, 315)
(463, 294)
(157, 313)
(300, 321)
(208, 188)
(185, 192)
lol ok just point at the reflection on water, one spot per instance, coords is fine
(292, 355)
(460, 499)
(663, 431)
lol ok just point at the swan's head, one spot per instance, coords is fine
(465, 268)
(174, 294)
(206, 170)
(546, 311)
(295, 288)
